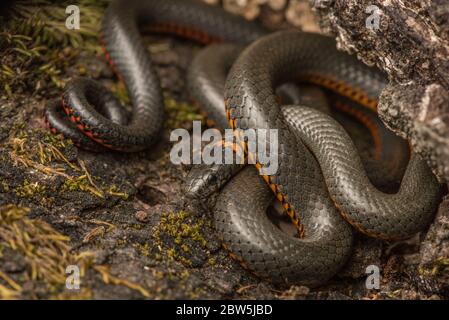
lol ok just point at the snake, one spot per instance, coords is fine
(84, 100)
(240, 210)
(251, 103)
(320, 177)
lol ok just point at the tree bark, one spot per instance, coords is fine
(409, 40)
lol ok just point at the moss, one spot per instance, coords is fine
(34, 35)
(45, 250)
(114, 191)
(81, 183)
(186, 234)
(29, 190)
(121, 93)
(136, 226)
(120, 243)
(185, 274)
(174, 225)
(110, 279)
(144, 249)
(4, 188)
(37, 147)
(439, 268)
(45, 21)
(82, 294)
(52, 156)
(196, 293)
(185, 248)
(180, 114)
(47, 254)
(212, 261)
(159, 275)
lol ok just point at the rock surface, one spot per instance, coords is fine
(410, 41)
(434, 251)
(274, 13)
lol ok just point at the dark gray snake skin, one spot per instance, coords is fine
(387, 216)
(240, 217)
(251, 103)
(240, 211)
(131, 61)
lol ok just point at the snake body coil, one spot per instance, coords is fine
(240, 209)
(251, 103)
(131, 61)
(309, 190)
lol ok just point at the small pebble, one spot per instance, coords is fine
(141, 216)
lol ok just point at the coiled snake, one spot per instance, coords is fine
(319, 169)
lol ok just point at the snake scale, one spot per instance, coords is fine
(320, 177)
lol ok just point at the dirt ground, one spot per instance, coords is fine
(121, 218)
